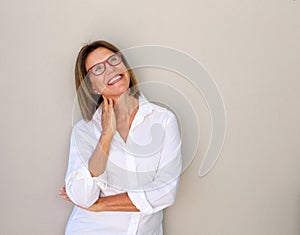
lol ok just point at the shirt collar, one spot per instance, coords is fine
(145, 107)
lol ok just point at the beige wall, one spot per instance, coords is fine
(251, 49)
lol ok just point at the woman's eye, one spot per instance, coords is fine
(114, 59)
(98, 69)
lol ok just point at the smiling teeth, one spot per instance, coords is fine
(114, 79)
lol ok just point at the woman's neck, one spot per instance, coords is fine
(125, 105)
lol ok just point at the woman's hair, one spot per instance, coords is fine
(88, 101)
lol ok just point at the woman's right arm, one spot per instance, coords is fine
(81, 187)
(97, 162)
(87, 160)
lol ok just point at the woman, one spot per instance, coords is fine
(124, 161)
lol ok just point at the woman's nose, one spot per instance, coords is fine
(110, 67)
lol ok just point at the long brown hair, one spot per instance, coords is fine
(88, 101)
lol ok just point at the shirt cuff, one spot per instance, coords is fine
(101, 180)
(84, 173)
(81, 173)
(140, 201)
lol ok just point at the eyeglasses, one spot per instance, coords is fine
(99, 68)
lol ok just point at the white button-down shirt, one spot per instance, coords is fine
(147, 166)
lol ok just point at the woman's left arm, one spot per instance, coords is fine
(118, 202)
(161, 193)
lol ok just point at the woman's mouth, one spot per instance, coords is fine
(115, 79)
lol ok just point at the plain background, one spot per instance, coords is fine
(250, 48)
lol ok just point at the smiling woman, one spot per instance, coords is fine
(125, 154)
(89, 56)
(108, 73)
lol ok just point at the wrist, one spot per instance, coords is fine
(106, 136)
(99, 205)
(104, 143)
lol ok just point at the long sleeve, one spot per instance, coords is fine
(81, 187)
(161, 192)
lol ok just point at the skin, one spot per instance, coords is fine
(118, 112)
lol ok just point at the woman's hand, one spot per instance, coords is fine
(108, 119)
(63, 194)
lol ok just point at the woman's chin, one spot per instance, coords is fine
(111, 93)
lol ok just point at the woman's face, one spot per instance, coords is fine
(114, 81)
